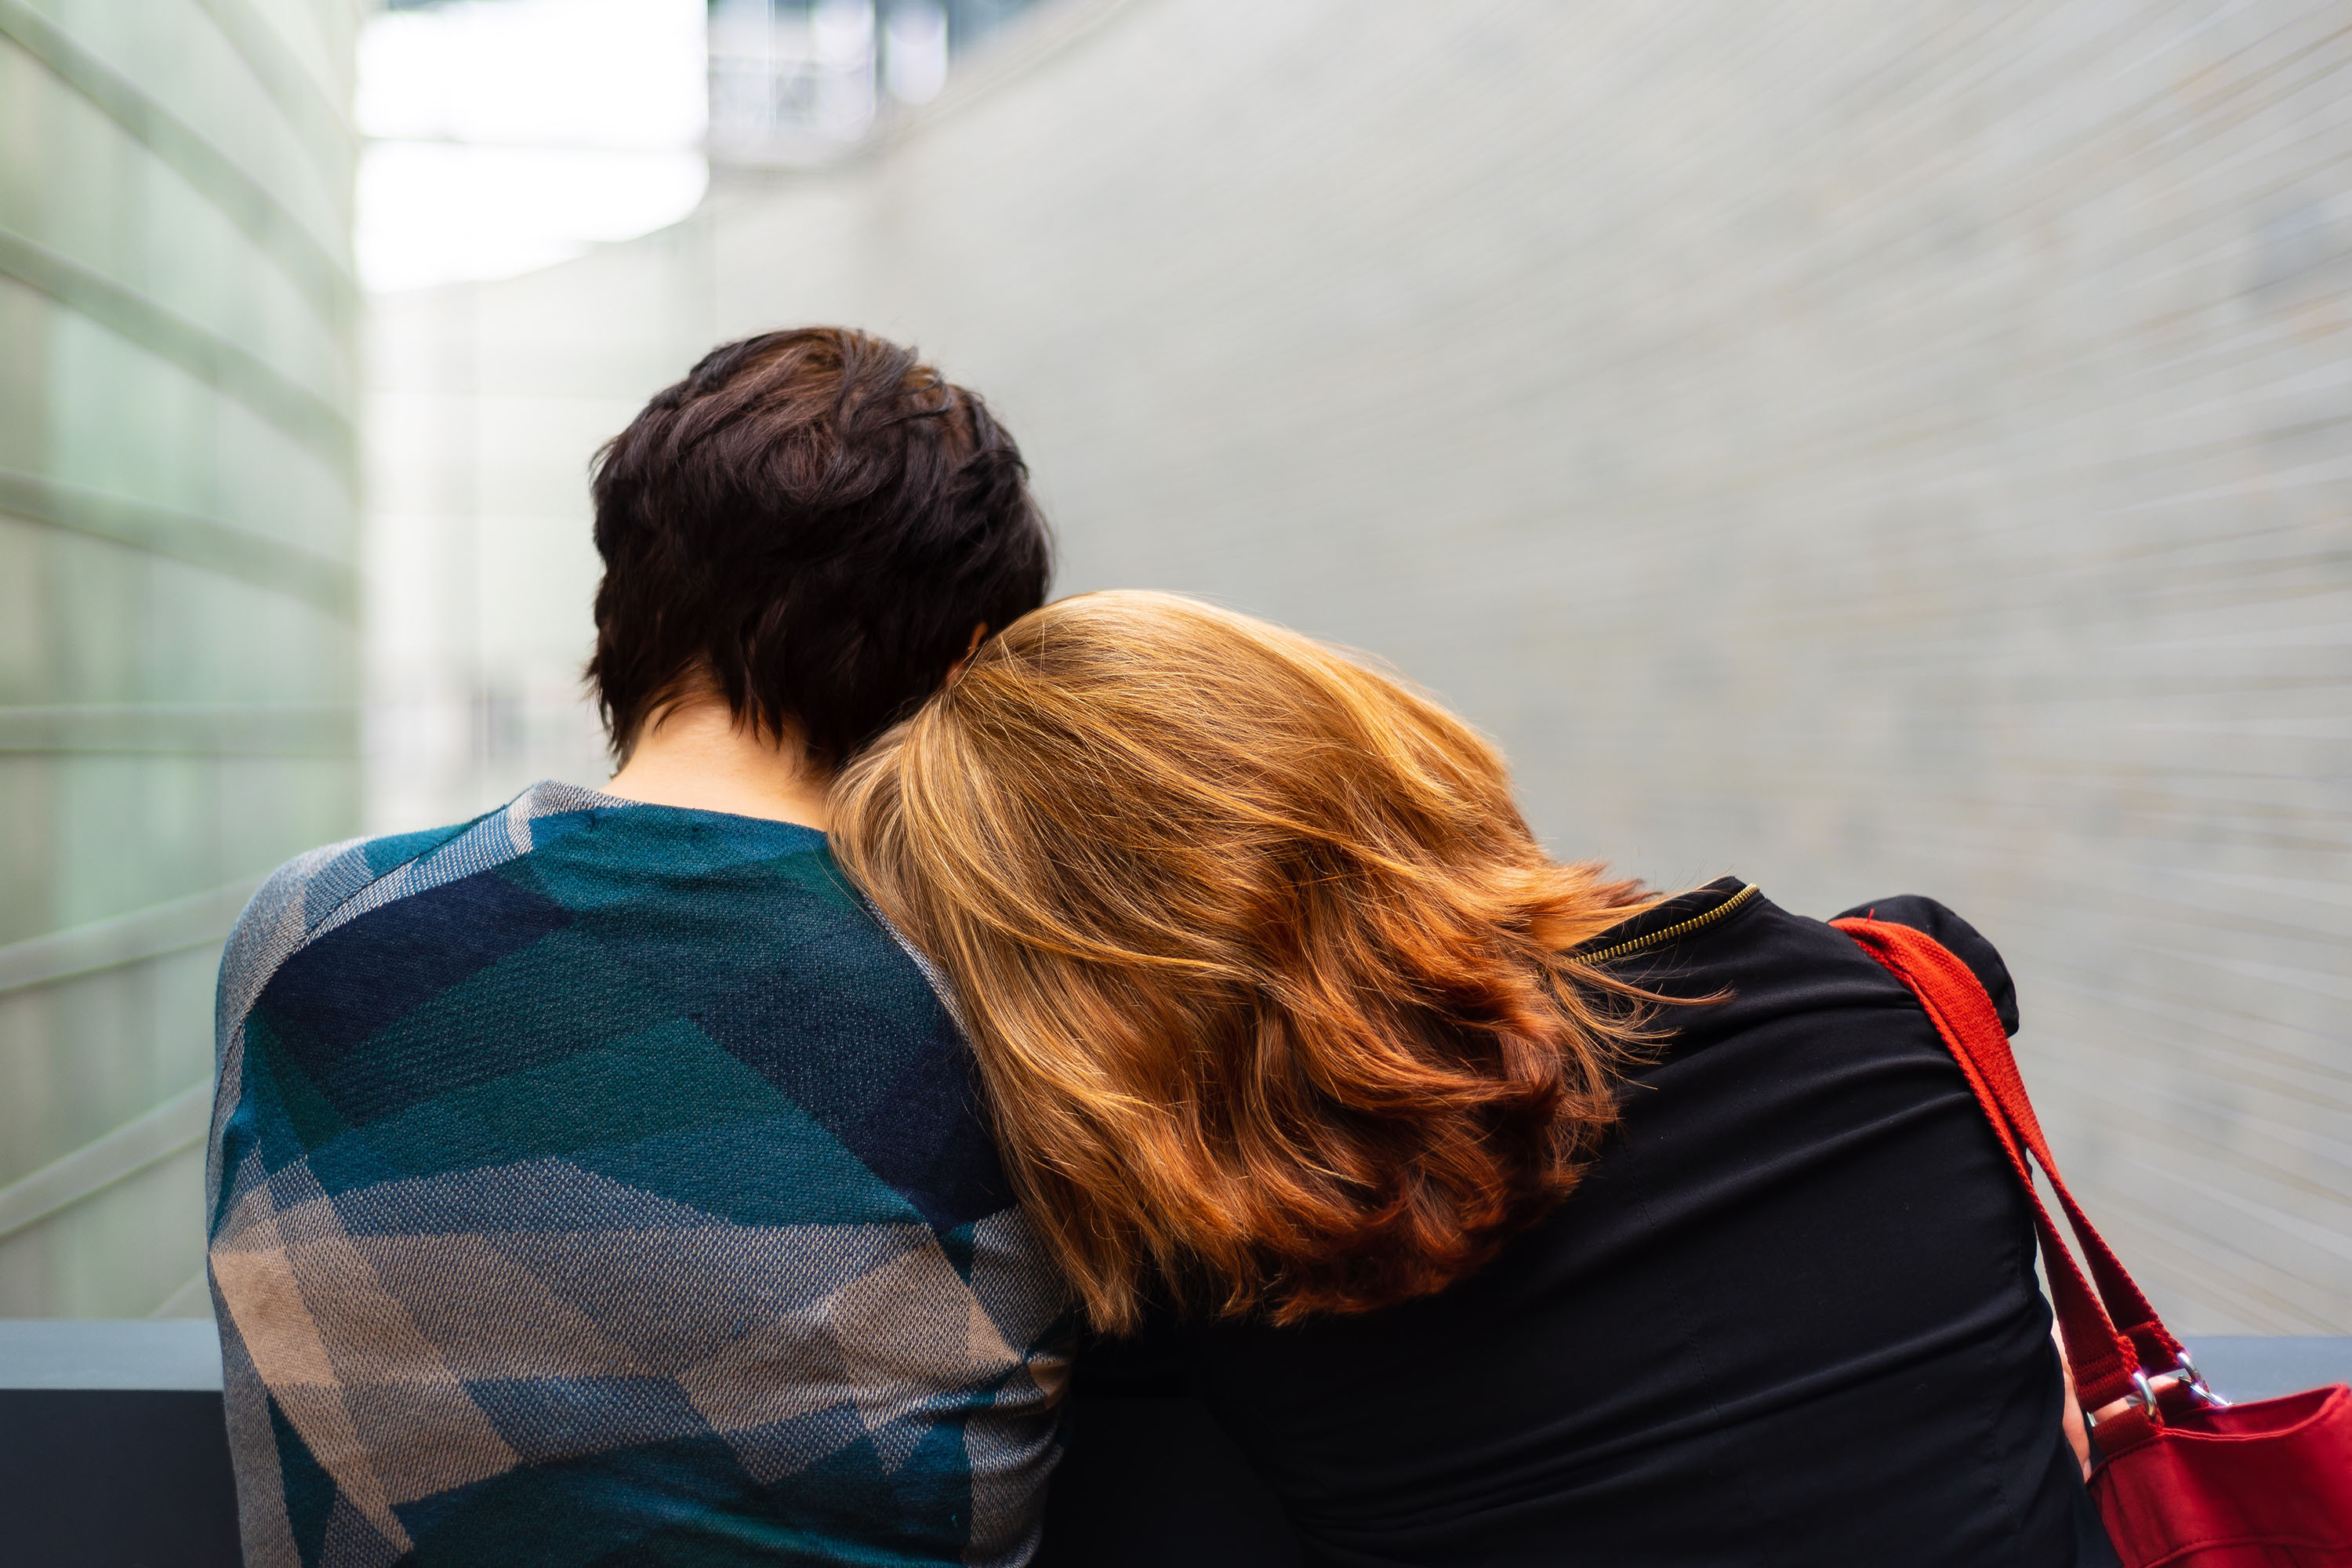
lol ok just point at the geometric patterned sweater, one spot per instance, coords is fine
(602, 1183)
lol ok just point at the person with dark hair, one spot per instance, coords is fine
(599, 1181)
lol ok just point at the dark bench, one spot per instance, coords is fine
(113, 1453)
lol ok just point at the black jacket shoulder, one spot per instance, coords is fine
(1965, 943)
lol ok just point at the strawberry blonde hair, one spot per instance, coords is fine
(1265, 976)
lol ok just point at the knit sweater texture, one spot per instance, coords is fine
(602, 1183)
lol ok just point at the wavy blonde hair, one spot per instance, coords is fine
(1265, 976)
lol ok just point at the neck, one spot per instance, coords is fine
(698, 755)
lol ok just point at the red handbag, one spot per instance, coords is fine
(2185, 1479)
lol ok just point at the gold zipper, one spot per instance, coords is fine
(1655, 937)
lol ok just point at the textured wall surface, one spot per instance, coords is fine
(178, 588)
(1866, 446)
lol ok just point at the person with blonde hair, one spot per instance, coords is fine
(1500, 1210)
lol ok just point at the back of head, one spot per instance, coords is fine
(1262, 966)
(812, 522)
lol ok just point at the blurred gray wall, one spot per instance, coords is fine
(178, 591)
(1869, 447)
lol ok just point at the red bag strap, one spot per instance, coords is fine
(2113, 1335)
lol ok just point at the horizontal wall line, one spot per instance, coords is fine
(155, 931)
(223, 729)
(185, 537)
(284, 402)
(176, 1125)
(310, 108)
(193, 1299)
(324, 280)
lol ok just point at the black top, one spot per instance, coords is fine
(1790, 1317)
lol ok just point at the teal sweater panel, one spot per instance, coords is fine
(601, 1185)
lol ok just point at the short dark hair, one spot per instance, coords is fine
(812, 521)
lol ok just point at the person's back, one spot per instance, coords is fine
(602, 1176)
(1789, 1317)
(599, 1182)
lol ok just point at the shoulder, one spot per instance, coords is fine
(314, 894)
(1966, 943)
(1726, 937)
(317, 890)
